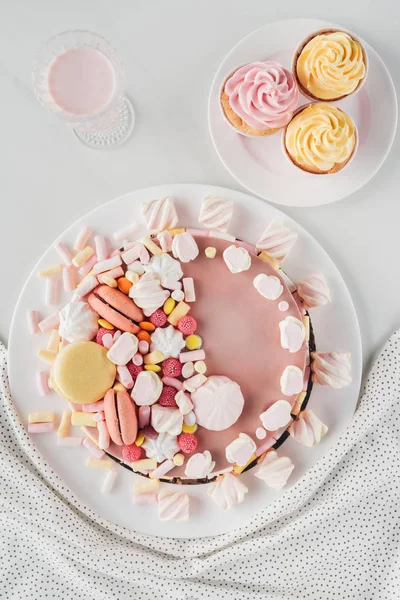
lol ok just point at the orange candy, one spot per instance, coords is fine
(124, 285)
(144, 336)
(147, 326)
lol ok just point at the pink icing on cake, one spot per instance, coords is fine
(263, 94)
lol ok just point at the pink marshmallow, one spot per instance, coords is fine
(64, 253)
(137, 359)
(104, 436)
(93, 407)
(198, 232)
(42, 383)
(246, 246)
(144, 256)
(132, 254)
(40, 427)
(113, 273)
(145, 499)
(51, 293)
(106, 265)
(117, 334)
(82, 238)
(100, 244)
(109, 481)
(143, 347)
(69, 278)
(124, 376)
(69, 441)
(173, 382)
(51, 322)
(144, 416)
(163, 469)
(107, 340)
(64, 342)
(88, 265)
(188, 288)
(128, 245)
(171, 284)
(193, 356)
(86, 286)
(99, 416)
(196, 381)
(32, 316)
(93, 449)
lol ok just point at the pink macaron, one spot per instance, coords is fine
(121, 419)
(117, 308)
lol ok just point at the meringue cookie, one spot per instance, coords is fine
(216, 213)
(291, 381)
(218, 403)
(165, 267)
(277, 240)
(276, 416)
(160, 214)
(331, 368)
(269, 286)
(167, 340)
(147, 389)
(308, 429)
(240, 450)
(123, 349)
(274, 470)
(173, 506)
(184, 247)
(78, 322)
(148, 294)
(237, 259)
(293, 334)
(199, 465)
(314, 291)
(166, 419)
(228, 491)
(162, 447)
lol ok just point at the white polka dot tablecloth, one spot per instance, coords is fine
(334, 535)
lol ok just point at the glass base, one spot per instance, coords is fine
(113, 136)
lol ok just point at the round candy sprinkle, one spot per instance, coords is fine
(149, 432)
(283, 306)
(158, 318)
(101, 332)
(178, 459)
(167, 397)
(171, 367)
(187, 443)
(134, 370)
(210, 252)
(193, 342)
(187, 325)
(132, 453)
(261, 433)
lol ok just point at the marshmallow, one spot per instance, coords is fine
(123, 350)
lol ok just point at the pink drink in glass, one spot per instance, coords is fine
(81, 81)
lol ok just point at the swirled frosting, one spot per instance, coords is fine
(331, 65)
(263, 94)
(320, 137)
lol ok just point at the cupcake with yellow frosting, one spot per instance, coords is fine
(320, 139)
(330, 65)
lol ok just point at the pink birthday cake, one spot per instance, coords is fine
(185, 355)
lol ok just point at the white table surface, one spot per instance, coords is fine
(171, 51)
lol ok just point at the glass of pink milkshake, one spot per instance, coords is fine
(79, 76)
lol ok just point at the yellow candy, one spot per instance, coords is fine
(239, 468)
(169, 306)
(154, 368)
(306, 323)
(54, 341)
(298, 404)
(179, 459)
(82, 256)
(153, 358)
(65, 422)
(189, 428)
(140, 439)
(105, 324)
(47, 356)
(179, 311)
(41, 417)
(152, 247)
(176, 231)
(110, 281)
(210, 252)
(193, 342)
(118, 387)
(83, 418)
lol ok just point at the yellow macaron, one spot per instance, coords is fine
(82, 372)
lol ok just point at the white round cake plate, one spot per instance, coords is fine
(260, 165)
(336, 328)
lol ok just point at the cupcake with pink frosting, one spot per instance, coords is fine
(259, 98)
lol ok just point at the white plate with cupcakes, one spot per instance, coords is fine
(302, 112)
(189, 354)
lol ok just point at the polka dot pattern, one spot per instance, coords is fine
(334, 535)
